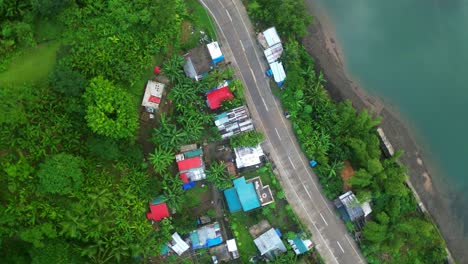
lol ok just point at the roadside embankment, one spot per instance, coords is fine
(437, 199)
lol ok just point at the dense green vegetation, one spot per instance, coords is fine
(333, 132)
(73, 186)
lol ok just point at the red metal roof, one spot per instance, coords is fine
(183, 177)
(154, 99)
(158, 211)
(188, 164)
(216, 97)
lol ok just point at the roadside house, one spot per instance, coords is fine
(351, 209)
(197, 63)
(270, 244)
(248, 195)
(299, 244)
(216, 96)
(202, 59)
(233, 122)
(215, 52)
(248, 156)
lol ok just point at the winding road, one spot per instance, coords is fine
(237, 38)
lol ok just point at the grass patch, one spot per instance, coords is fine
(32, 65)
(240, 227)
(200, 18)
(193, 196)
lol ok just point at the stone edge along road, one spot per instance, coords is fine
(298, 180)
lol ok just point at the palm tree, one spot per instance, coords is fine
(183, 93)
(217, 174)
(167, 135)
(172, 188)
(173, 68)
(161, 159)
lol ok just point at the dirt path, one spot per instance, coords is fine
(437, 199)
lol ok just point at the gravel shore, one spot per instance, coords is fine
(435, 196)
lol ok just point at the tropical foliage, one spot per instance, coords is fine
(73, 189)
(109, 110)
(248, 139)
(333, 132)
(217, 175)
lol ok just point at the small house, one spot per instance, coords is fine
(158, 209)
(270, 244)
(206, 236)
(248, 156)
(271, 43)
(215, 52)
(215, 97)
(351, 209)
(198, 63)
(232, 248)
(152, 96)
(178, 245)
(300, 244)
(233, 122)
(191, 167)
(247, 195)
(277, 70)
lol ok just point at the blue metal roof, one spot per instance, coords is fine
(247, 194)
(300, 245)
(232, 200)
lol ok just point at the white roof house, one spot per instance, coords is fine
(153, 94)
(248, 156)
(215, 52)
(178, 245)
(269, 243)
(271, 36)
(232, 248)
(274, 52)
(278, 72)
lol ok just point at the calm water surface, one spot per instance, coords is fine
(414, 55)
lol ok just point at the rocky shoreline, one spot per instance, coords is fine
(436, 198)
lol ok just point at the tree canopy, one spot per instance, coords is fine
(60, 174)
(109, 110)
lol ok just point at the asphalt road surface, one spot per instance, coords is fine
(237, 38)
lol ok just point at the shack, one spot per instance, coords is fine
(152, 96)
(198, 63)
(270, 244)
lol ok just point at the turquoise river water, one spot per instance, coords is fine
(414, 54)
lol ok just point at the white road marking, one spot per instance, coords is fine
(228, 15)
(294, 167)
(340, 246)
(265, 104)
(253, 76)
(323, 218)
(277, 133)
(307, 191)
(242, 45)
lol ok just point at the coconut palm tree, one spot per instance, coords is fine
(217, 174)
(161, 159)
(173, 68)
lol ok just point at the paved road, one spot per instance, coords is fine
(302, 190)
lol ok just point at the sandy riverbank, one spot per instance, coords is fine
(436, 197)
